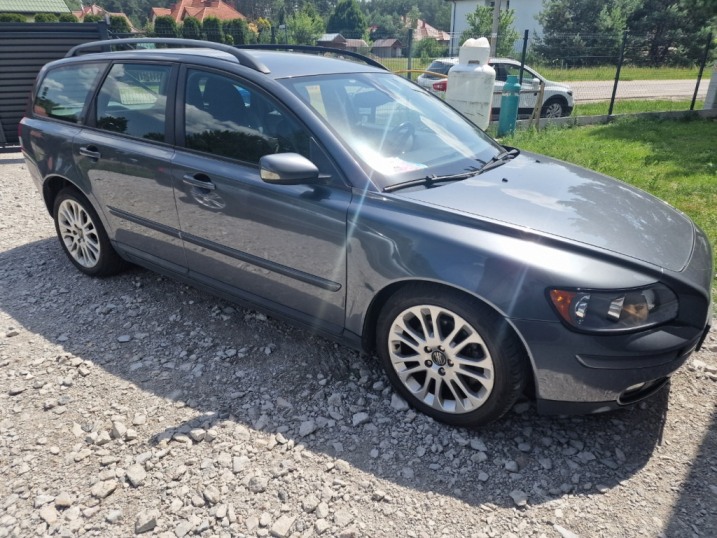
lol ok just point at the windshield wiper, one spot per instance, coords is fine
(431, 180)
(500, 159)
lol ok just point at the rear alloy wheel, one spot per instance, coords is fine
(450, 356)
(82, 235)
(553, 108)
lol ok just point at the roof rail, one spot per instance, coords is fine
(244, 59)
(317, 50)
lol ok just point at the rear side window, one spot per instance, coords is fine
(64, 91)
(133, 100)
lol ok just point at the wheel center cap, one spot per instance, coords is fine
(439, 358)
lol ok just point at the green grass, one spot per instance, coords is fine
(608, 73)
(629, 106)
(674, 160)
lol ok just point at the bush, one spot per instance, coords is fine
(165, 26)
(67, 17)
(192, 28)
(12, 17)
(46, 17)
(213, 29)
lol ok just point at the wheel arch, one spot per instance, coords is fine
(380, 299)
(52, 186)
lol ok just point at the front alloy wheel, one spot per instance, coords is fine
(450, 356)
(553, 109)
(441, 359)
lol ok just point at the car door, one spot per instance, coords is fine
(125, 153)
(528, 93)
(282, 246)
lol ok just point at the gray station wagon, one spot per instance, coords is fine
(335, 194)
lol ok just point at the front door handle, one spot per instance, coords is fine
(90, 151)
(199, 180)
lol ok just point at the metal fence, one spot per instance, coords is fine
(24, 49)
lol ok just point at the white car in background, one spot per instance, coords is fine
(557, 98)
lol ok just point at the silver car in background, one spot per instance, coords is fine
(557, 101)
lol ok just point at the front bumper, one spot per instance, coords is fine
(582, 373)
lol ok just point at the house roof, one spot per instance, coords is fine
(424, 30)
(381, 43)
(94, 9)
(33, 6)
(332, 38)
(356, 43)
(199, 9)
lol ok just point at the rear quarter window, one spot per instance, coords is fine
(63, 92)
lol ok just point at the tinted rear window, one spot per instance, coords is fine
(438, 67)
(64, 91)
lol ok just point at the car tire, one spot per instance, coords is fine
(82, 236)
(553, 108)
(450, 356)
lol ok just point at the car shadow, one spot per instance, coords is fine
(233, 365)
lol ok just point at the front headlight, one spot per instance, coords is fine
(615, 310)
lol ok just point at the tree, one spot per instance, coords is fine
(670, 32)
(660, 32)
(305, 27)
(480, 24)
(164, 26)
(46, 17)
(119, 25)
(429, 48)
(347, 19)
(213, 31)
(192, 28)
(582, 32)
(264, 27)
(239, 31)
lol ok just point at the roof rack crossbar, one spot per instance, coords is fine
(315, 48)
(245, 59)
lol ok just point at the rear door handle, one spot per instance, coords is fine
(90, 151)
(199, 180)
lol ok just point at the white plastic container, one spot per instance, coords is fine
(471, 81)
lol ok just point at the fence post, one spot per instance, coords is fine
(103, 29)
(409, 65)
(702, 69)
(617, 73)
(522, 56)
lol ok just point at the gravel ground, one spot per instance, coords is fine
(138, 405)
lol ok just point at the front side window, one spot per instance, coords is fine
(502, 72)
(225, 117)
(64, 91)
(395, 129)
(133, 100)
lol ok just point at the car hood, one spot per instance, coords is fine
(552, 197)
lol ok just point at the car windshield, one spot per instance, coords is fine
(395, 129)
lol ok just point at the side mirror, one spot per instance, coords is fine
(536, 83)
(288, 169)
